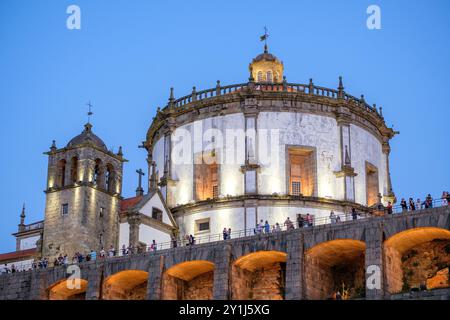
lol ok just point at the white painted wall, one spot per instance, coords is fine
(124, 234)
(20, 265)
(301, 129)
(148, 234)
(28, 243)
(155, 202)
(365, 147)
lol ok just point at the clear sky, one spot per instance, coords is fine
(129, 53)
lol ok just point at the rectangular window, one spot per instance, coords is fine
(156, 214)
(101, 213)
(65, 209)
(296, 189)
(301, 171)
(206, 177)
(372, 184)
(202, 225)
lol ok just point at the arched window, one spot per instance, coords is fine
(269, 76)
(260, 76)
(110, 178)
(98, 173)
(74, 170)
(61, 173)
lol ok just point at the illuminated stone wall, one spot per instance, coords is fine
(402, 232)
(80, 229)
(266, 283)
(296, 129)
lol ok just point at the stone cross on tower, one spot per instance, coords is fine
(140, 190)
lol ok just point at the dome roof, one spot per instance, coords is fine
(87, 137)
(265, 57)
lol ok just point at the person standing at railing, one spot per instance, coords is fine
(412, 206)
(309, 220)
(288, 223)
(332, 217)
(418, 204)
(354, 214)
(259, 227)
(267, 227)
(404, 205)
(229, 233)
(124, 250)
(93, 255)
(111, 251)
(389, 208)
(174, 241)
(445, 198)
(154, 246)
(225, 233)
(277, 227)
(429, 202)
(300, 221)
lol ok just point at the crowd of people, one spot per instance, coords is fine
(413, 205)
(263, 227)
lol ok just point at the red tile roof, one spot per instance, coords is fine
(17, 254)
(129, 203)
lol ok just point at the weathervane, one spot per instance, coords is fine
(264, 38)
(90, 113)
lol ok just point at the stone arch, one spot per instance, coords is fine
(260, 275)
(68, 290)
(335, 265)
(126, 285)
(74, 170)
(191, 280)
(110, 178)
(98, 173)
(415, 257)
(61, 173)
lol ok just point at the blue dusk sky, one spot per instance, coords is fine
(129, 53)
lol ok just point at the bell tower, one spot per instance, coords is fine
(83, 193)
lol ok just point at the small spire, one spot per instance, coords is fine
(153, 178)
(218, 88)
(362, 100)
(251, 79)
(311, 86)
(171, 97)
(340, 88)
(22, 215)
(120, 153)
(53, 146)
(88, 127)
(194, 94)
(381, 111)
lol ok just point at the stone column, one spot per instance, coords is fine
(294, 267)
(94, 278)
(155, 273)
(222, 261)
(38, 284)
(389, 196)
(375, 282)
(134, 221)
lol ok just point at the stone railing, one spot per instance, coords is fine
(292, 88)
(33, 226)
